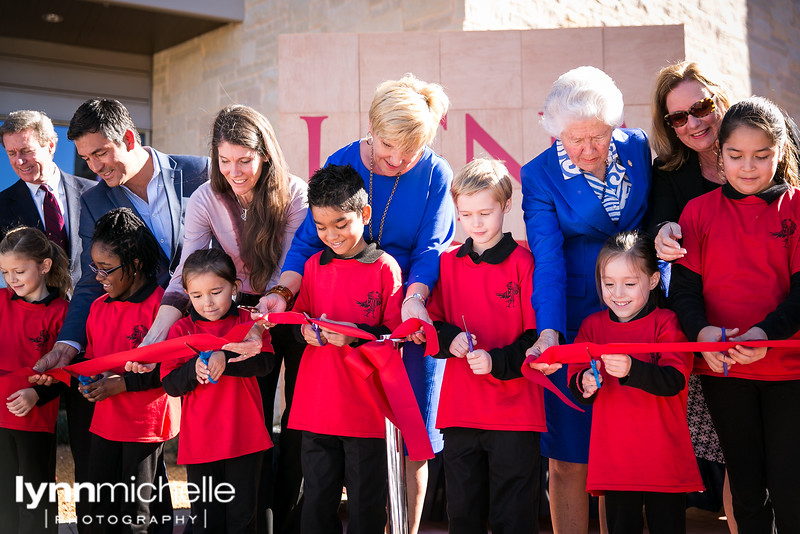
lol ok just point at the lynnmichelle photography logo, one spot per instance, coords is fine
(33, 496)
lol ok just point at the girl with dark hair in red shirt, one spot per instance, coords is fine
(640, 452)
(33, 309)
(222, 436)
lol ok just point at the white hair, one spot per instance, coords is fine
(582, 94)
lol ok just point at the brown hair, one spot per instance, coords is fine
(261, 240)
(209, 260)
(25, 119)
(31, 243)
(481, 174)
(639, 249)
(670, 150)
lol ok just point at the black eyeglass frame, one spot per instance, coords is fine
(103, 272)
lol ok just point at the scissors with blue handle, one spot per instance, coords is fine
(593, 363)
(316, 329)
(204, 355)
(724, 361)
(86, 380)
(470, 345)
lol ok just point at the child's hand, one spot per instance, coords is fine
(334, 338)
(214, 369)
(744, 354)
(617, 365)
(22, 401)
(588, 383)
(310, 337)
(715, 359)
(480, 362)
(460, 346)
(136, 367)
(107, 386)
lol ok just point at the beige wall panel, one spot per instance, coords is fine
(547, 54)
(336, 130)
(319, 73)
(388, 56)
(481, 70)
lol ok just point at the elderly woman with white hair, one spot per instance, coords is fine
(592, 183)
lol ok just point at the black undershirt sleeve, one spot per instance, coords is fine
(259, 365)
(377, 331)
(664, 381)
(576, 391)
(447, 333)
(686, 300)
(143, 381)
(507, 361)
(784, 322)
(181, 380)
(49, 393)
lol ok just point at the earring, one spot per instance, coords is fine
(368, 137)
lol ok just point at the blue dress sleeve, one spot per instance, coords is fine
(546, 242)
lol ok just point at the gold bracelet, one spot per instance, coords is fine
(284, 292)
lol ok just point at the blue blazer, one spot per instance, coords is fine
(185, 173)
(18, 209)
(567, 225)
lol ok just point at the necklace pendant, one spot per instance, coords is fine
(244, 214)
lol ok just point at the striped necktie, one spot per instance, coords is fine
(54, 220)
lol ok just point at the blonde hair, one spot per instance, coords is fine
(670, 150)
(482, 174)
(407, 112)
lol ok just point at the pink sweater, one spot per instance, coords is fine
(210, 214)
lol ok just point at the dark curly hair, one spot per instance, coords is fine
(130, 239)
(337, 186)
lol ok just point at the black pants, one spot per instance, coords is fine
(31, 455)
(238, 515)
(666, 512)
(492, 476)
(758, 424)
(287, 502)
(79, 419)
(133, 464)
(357, 463)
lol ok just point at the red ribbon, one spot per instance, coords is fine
(170, 349)
(397, 401)
(299, 318)
(537, 377)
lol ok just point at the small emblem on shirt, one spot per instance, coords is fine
(788, 228)
(371, 304)
(136, 337)
(510, 294)
(41, 340)
(654, 357)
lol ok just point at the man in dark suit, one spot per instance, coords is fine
(44, 192)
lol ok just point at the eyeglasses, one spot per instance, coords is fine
(103, 272)
(699, 109)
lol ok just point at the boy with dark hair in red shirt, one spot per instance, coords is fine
(490, 416)
(343, 428)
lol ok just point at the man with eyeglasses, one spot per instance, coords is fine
(44, 197)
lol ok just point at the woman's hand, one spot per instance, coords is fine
(480, 362)
(274, 302)
(744, 354)
(715, 359)
(547, 338)
(414, 308)
(107, 386)
(212, 371)
(617, 365)
(22, 401)
(459, 347)
(667, 246)
(588, 382)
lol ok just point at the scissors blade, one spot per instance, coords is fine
(196, 350)
(724, 362)
(469, 336)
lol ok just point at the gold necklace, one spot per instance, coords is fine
(386, 209)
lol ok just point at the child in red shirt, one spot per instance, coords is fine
(640, 453)
(33, 307)
(343, 428)
(221, 437)
(133, 415)
(489, 414)
(741, 276)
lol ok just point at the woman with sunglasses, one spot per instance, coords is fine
(687, 112)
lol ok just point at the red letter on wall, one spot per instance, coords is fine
(477, 134)
(314, 125)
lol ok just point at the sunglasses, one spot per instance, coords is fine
(103, 272)
(699, 109)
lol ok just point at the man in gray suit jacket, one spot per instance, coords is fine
(30, 141)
